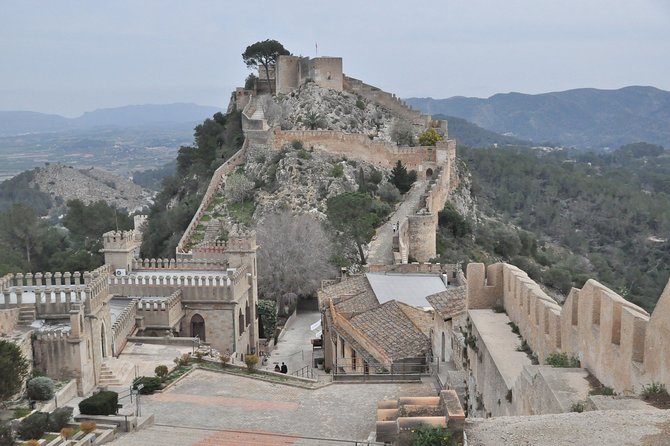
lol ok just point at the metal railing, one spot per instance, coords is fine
(346, 369)
(305, 372)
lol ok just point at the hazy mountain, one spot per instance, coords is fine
(20, 122)
(469, 134)
(587, 117)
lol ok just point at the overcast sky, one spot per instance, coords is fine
(67, 57)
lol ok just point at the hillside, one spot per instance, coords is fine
(21, 122)
(584, 118)
(46, 188)
(468, 134)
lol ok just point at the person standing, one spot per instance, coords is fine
(284, 369)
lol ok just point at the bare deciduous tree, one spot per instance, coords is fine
(238, 188)
(293, 256)
(402, 132)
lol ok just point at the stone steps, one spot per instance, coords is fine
(26, 315)
(116, 372)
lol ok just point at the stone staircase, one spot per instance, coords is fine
(116, 373)
(26, 315)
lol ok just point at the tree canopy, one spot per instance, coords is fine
(356, 215)
(14, 368)
(402, 179)
(264, 54)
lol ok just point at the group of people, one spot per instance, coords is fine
(282, 369)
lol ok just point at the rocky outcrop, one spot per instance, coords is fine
(89, 185)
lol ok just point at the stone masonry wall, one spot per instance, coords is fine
(617, 341)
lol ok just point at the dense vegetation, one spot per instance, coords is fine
(605, 216)
(18, 190)
(29, 243)
(216, 140)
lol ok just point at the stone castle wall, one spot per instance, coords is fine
(617, 341)
(358, 146)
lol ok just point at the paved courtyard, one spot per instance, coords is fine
(210, 408)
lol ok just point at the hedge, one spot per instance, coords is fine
(102, 403)
(33, 426)
(151, 384)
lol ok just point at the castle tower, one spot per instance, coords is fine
(120, 248)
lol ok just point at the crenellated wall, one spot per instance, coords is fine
(124, 326)
(617, 341)
(183, 248)
(199, 264)
(164, 313)
(194, 287)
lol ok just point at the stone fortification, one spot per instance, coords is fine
(617, 341)
(293, 71)
(388, 100)
(184, 246)
(361, 147)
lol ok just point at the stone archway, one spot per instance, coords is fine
(198, 327)
(103, 340)
(429, 172)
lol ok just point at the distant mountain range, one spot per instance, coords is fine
(20, 122)
(584, 118)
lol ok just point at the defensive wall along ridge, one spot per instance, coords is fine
(434, 162)
(618, 342)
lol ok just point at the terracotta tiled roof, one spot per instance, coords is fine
(351, 296)
(421, 318)
(449, 303)
(393, 331)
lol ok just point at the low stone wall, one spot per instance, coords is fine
(62, 397)
(8, 319)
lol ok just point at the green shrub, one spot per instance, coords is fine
(654, 388)
(425, 435)
(338, 171)
(151, 384)
(33, 426)
(297, 145)
(6, 435)
(161, 372)
(389, 193)
(60, 418)
(101, 403)
(577, 407)
(360, 104)
(40, 388)
(562, 360)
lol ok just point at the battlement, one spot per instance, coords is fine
(210, 287)
(180, 264)
(184, 249)
(614, 339)
(121, 240)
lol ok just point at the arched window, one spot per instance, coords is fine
(241, 322)
(247, 314)
(198, 327)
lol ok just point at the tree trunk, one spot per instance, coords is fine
(267, 76)
(360, 253)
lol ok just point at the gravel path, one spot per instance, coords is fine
(381, 246)
(608, 427)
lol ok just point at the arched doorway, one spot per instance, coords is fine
(429, 173)
(198, 327)
(442, 356)
(103, 341)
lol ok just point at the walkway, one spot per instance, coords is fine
(295, 346)
(381, 247)
(210, 408)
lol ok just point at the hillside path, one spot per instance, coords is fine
(381, 246)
